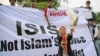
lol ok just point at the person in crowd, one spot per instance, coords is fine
(97, 42)
(93, 29)
(88, 5)
(49, 6)
(0, 3)
(94, 33)
(88, 10)
(33, 4)
(64, 42)
(12, 2)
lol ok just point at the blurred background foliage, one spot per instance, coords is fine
(40, 4)
(96, 17)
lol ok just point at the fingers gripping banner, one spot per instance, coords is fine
(24, 32)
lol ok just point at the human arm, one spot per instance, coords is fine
(96, 32)
(59, 38)
(46, 16)
(70, 35)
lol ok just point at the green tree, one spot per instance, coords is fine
(41, 4)
(98, 17)
(26, 3)
(19, 2)
(41, 0)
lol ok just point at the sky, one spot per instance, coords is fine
(95, 4)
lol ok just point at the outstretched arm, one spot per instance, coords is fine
(46, 17)
(71, 34)
(96, 32)
(59, 38)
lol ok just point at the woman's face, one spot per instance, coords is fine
(62, 30)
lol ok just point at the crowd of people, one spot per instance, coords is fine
(91, 25)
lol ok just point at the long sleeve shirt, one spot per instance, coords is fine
(93, 31)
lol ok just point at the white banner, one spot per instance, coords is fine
(24, 32)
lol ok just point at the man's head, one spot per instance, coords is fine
(12, 2)
(33, 4)
(49, 3)
(90, 22)
(88, 3)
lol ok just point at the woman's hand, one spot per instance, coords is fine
(72, 30)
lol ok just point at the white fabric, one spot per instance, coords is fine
(32, 20)
(88, 13)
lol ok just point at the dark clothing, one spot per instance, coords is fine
(88, 8)
(93, 31)
(95, 37)
(0, 4)
(60, 51)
